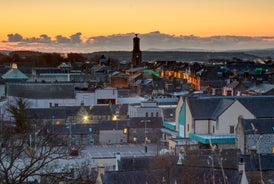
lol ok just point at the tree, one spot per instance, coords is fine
(18, 111)
(20, 162)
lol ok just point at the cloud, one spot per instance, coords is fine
(76, 38)
(62, 39)
(149, 41)
(15, 37)
(18, 38)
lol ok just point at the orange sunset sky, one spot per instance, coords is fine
(203, 18)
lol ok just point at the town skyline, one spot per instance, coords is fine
(88, 26)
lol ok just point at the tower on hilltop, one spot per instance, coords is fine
(136, 55)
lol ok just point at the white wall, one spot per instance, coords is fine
(106, 93)
(189, 120)
(89, 98)
(137, 111)
(201, 127)
(230, 117)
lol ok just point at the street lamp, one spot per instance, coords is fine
(85, 118)
(146, 138)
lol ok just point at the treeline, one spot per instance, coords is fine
(39, 59)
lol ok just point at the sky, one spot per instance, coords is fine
(92, 25)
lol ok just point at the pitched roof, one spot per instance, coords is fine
(14, 73)
(222, 106)
(46, 113)
(233, 84)
(261, 88)
(203, 108)
(258, 126)
(41, 90)
(211, 107)
(259, 106)
(252, 162)
(200, 158)
(76, 129)
(100, 110)
(152, 122)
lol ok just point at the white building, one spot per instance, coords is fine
(146, 109)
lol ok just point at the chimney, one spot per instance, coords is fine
(241, 166)
(241, 170)
(101, 171)
(117, 158)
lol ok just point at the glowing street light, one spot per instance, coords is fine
(85, 118)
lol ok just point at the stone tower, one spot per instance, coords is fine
(136, 55)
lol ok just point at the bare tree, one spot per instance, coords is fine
(20, 162)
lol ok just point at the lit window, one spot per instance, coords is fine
(125, 130)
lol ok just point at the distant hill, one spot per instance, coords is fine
(262, 53)
(165, 55)
(175, 55)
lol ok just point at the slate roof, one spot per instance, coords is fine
(110, 125)
(205, 175)
(203, 108)
(259, 106)
(233, 84)
(169, 113)
(46, 113)
(155, 122)
(143, 169)
(41, 90)
(221, 107)
(134, 177)
(211, 107)
(262, 126)
(261, 88)
(252, 162)
(100, 110)
(229, 158)
(76, 129)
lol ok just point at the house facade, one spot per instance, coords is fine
(145, 109)
(255, 136)
(210, 120)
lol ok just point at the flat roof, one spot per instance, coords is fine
(213, 139)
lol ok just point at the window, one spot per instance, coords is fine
(146, 114)
(228, 93)
(157, 114)
(151, 114)
(125, 130)
(213, 129)
(187, 127)
(231, 129)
